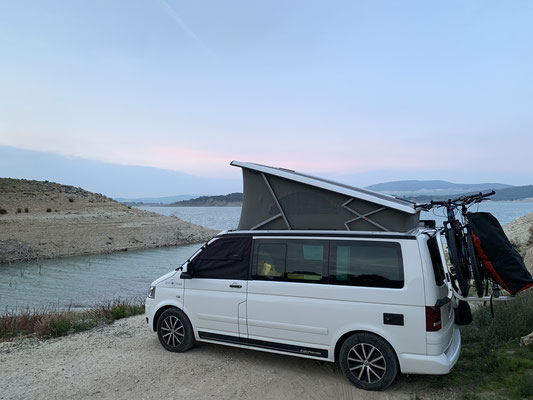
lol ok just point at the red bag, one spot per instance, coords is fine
(501, 260)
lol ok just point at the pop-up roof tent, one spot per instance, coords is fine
(277, 198)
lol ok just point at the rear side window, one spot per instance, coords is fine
(436, 261)
(292, 261)
(366, 263)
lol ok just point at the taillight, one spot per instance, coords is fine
(433, 322)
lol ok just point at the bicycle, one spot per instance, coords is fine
(461, 248)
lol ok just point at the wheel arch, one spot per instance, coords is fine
(161, 310)
(345, 336)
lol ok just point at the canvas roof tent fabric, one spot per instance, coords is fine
(277, 198)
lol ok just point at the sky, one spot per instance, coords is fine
(352, 90)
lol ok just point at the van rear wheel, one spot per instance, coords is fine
(368, 361)
(174, 331)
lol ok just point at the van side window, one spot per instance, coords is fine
(225, 258)
(436, 261)
(291, 260)
(270, 260)
(307, 261)
(366, 263)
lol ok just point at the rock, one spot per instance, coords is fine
(527, 340)
(520, 233)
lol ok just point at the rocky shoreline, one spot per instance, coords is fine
(520, 233)
(47, 220)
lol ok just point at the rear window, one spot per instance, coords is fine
(366, 263)
(436, 261)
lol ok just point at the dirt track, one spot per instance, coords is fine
(125, 361)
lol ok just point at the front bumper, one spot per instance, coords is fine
(148, 313)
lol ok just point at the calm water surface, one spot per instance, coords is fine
(219, 218)
(86, 280)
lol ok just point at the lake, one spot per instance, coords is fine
(83, 281)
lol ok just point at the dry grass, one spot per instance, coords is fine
(54, 322)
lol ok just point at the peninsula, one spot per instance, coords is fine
(41, 219)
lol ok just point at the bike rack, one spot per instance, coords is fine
(484, 298)
(452, 293)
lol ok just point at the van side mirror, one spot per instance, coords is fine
(186, 275)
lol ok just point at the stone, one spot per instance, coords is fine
(527, 340)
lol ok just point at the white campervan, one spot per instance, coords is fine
(369, 301)
(318, 270)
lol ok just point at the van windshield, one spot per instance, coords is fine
(195, 254)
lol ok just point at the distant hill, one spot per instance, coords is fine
(229, 200)
(507, 194)
(156, 200)
(514, 193)
(434, 185)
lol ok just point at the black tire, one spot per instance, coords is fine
(457, 262)
(174, 331)
(475, 265)
(368, 361)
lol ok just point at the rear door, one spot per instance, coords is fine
(433, 260)
(215, 297)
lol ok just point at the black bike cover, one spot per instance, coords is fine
(498, 255)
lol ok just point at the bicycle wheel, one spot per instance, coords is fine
(475, 264)
(457, 262)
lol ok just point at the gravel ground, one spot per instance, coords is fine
(124, 360)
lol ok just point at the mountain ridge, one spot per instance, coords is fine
(418, 185)
(508, 194)
(228, 200)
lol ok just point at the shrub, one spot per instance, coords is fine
(59, 325)
(523, 386)
(512, 319)
(83, 324)
(71, 199)
(48, 210)
(3, 211)
(492, 360)
(119, 312)
(19, 210)
(26, 210)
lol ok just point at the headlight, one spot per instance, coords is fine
(151, 292)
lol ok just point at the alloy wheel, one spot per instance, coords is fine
(173, 332)
(366, 363)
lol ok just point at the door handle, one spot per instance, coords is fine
(235, 285)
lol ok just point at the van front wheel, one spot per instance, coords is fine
(174, 330)
(368, 361)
